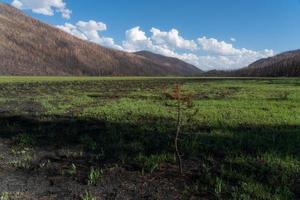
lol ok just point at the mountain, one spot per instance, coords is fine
(30, 47)
(181, 66)
(286, 64)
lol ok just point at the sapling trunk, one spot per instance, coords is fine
(178, 155)
(178, 96)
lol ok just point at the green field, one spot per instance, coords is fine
(240, 138)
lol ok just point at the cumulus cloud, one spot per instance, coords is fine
(209, 54)
(224, 55)
(45, 7)
(136, 40)
(214, 46)
(90, 30)
(172, 39)
(71, 29)
(135, 34)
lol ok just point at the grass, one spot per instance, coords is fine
(241, 137)
(4, 196)
(151, 163)
(95, 176)
(88, 196)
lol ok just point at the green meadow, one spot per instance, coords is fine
(240, 138)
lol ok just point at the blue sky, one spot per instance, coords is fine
(227, 33)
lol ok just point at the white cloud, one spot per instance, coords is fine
(135, 34)
(214, 46)
(268, 52)
(17, 4)
(222, 55)
(172, 39)
(90, 31)
(45, 7)
(136, 40)
(232, 39)
(71, 29)
(213, 54)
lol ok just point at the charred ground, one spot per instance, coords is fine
(70, 138)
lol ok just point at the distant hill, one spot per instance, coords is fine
(181, 66)
(30, 47)
(282, 65)
(285, 64)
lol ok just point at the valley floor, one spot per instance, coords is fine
(113, 138)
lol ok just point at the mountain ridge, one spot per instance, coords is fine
(286, 64)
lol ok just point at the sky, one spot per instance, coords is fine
(211, 34)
